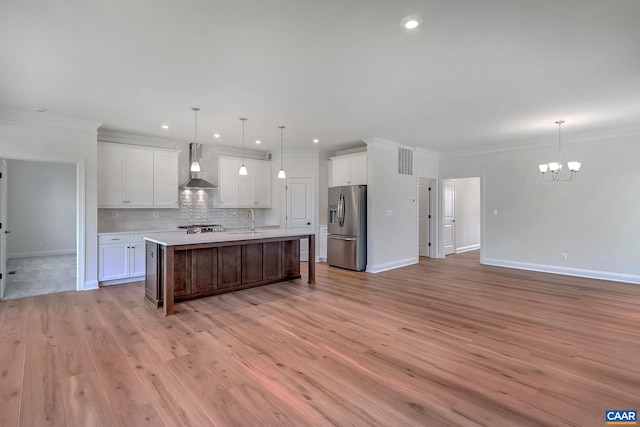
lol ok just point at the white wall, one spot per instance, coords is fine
(594, 219)
(29, 137)
(392, 238)
(41, 203)
(467, 214)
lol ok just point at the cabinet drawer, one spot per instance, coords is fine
(113, 238)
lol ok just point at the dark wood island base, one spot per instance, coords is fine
(201, 269)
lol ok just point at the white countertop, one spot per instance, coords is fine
(165, 229)
(188, 239)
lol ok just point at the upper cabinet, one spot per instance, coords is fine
(248, 191)
(349, 170)
(137, 177)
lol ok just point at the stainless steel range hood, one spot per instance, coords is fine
(195, 182)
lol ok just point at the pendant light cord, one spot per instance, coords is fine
(281, 145)
(243, 120)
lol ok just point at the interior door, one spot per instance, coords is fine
(300, 209)
(449, 198)
(424, 217)
(3, 221)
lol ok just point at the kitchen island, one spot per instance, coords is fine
(198, 265)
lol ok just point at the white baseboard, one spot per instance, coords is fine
(90, 285)
(121, 281)
(391, 265)
(567, 271)
(41, 253)
(468, 248)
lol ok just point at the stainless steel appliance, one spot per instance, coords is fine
(202, 228)
(347, 238)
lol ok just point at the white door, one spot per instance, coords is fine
(3, 221)
(449, 198)
(424, 217)
(300, 210)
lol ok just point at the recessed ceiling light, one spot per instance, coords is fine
(216, 135)
(258, 141)
(315, 141)
(411, 22)
(165, 126)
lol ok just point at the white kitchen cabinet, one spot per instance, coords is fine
(248, 191)
(349, 170)
(122, 257)
(165, 175)
(113, 257)
(111, 173)
(228, 181)
(136, 177)
(262, 185)
(137, 252)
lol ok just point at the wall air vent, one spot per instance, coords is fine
(405, 161)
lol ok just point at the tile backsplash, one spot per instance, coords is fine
(195, 208)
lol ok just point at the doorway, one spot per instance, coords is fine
(38, 203)
(462, 212)
(300, 209)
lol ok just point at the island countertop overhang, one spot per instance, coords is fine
(221, 237)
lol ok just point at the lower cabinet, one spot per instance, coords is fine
(122, 257)
(213, 270)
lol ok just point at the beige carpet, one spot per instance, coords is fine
(40, 275)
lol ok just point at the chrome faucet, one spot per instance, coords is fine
(251, 214)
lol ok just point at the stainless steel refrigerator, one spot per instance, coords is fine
(347, 239)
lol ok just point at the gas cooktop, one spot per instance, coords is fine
(202, 228)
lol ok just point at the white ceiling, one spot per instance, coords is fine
(477, 73)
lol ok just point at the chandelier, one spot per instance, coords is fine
(552, 171)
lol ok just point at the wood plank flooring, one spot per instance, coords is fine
(442, 343)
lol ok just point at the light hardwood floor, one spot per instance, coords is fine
(444, 342)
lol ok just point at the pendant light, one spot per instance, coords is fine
(195, 165)
(243, 168)
(281, 173)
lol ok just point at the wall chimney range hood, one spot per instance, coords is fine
(195, 182)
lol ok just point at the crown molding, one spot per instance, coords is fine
(534, 144)
(47, 119)
(428, 153)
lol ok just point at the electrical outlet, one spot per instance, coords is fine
(39, 243)
(114, 213)
(155, 214)
(564, 256)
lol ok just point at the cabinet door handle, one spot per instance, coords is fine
(116, 239)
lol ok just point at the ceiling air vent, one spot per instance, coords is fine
(405, 161)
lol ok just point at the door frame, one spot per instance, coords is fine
(3, 220)
(440, 219)
(80, 208)
(433, 212)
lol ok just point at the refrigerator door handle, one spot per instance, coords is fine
(351, 239)
(341, 210)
